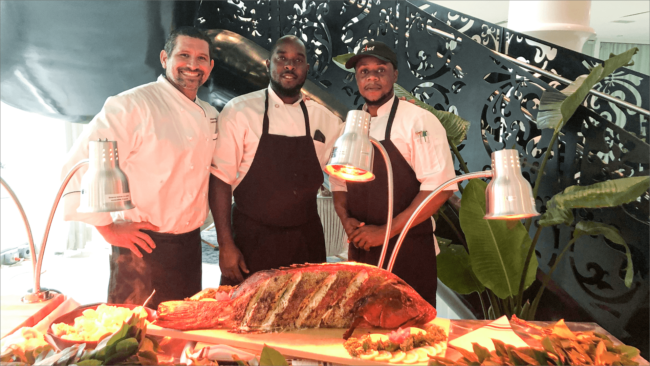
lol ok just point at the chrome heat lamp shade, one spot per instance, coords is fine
(352, 155)
(104, 187)
(508, 195)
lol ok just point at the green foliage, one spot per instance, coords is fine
(611, 233)
(340, 60)
(497, 253)
(609, 193)
(272, 357)
(128, 345)
(455, 269)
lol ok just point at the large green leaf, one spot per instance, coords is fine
(455, 126)
(597, 74)
(271, 357)
(610, 193)
(550, 114)
(455, 270)
(497, 253)
(611, 233)
(340, 60)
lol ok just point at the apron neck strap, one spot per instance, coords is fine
(391, 117)
(265, 122)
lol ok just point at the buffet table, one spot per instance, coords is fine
(456, 329)
(311, 346)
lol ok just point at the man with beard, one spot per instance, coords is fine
(165, 137)
(419, 153)
(270, 152)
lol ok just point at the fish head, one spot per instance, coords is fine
(395, 304)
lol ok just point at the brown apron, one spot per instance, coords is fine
(275, 218)
(173, 269)
(368, 202)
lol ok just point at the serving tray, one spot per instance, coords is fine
(321, 344)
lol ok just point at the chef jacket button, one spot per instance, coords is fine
(277, 106)
(191, 166)
(207, 167)
(189, 137)
(187, 223)
(295, 193)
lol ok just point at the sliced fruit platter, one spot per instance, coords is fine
(403, 346)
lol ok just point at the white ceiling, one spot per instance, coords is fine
(603, 15)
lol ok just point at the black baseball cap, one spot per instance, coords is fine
(375, 49)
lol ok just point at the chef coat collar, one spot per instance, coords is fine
(277, 99)
(384, 109)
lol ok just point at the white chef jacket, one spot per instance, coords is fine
(165, 143)
(419, 136)
(240, 130)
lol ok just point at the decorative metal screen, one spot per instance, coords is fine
(499, 99)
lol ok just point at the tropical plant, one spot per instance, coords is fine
(497, 258)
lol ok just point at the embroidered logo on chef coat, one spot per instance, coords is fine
(422, 136)
(216, 128)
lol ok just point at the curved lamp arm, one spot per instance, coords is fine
(37, 295)
(398, 244)
(32, 249)
(389, 219)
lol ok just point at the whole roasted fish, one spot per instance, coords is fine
(327, 295)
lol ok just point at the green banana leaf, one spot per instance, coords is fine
(340, 60)
(611, 233)
(598, 73)
(556, 108)
(496, 253)
(550, 113)
(610, 193)
(455, 269)
(455, 126)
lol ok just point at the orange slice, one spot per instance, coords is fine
(439, 348)
(397, 357)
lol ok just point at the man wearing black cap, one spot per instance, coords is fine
(419, 153)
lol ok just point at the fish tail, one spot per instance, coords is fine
(189, 315)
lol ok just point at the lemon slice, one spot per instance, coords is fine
(439, 347)
(411, 357)
(378, 337)
(431, 350)
(383, 356)
(423, 354)
(397, 357)
(415, 330)
(369, 356)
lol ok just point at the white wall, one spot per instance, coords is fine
(32, 151)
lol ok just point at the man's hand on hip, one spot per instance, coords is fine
(128, 235)
(231, 262)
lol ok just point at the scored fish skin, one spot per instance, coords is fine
(325, 295)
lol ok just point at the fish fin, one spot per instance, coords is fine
(353, 326)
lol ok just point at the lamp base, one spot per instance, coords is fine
(40, 296)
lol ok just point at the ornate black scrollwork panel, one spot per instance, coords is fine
(486, 33)
(625, 84)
